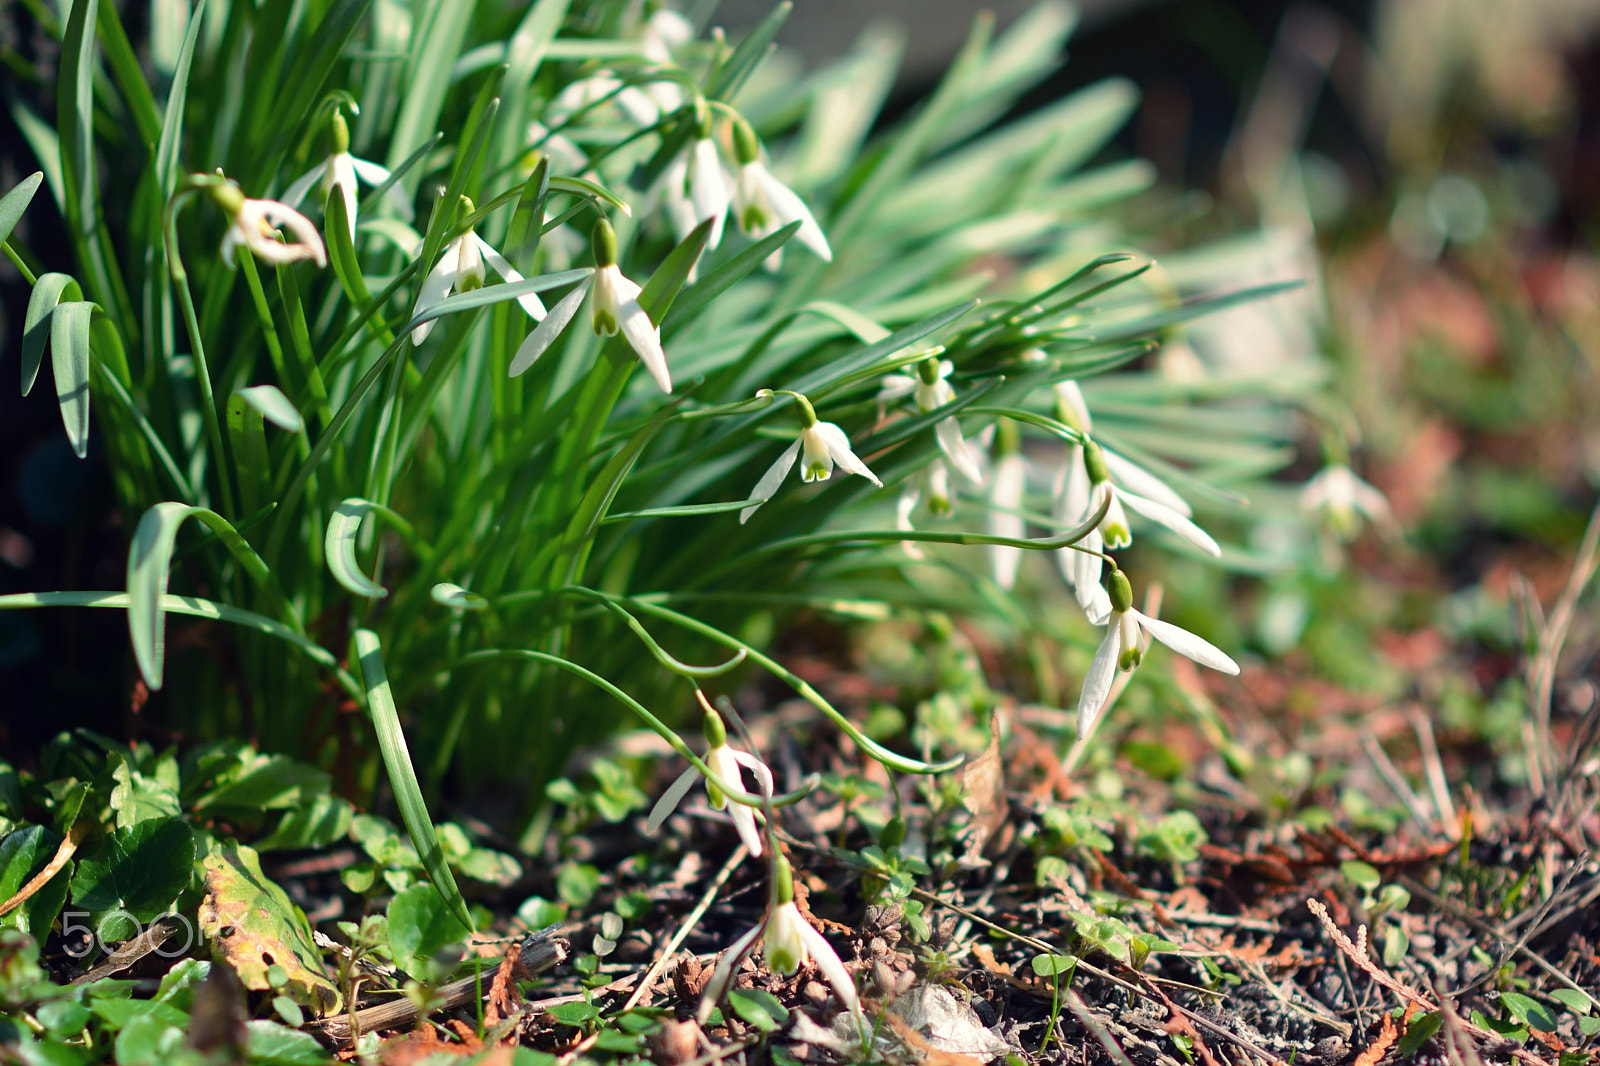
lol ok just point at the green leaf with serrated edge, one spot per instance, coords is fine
(136, 798)
(420, 923)
(24, 853)
(70, 358)
(252, 925)
(262, 782)
(133, 875)
(339, 547)
(403, 776)
(48, 292)
(15, 202)
(271, 1044)
(315, 824)
(148, 559)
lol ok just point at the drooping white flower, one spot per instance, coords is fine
(1156, 502)
(693, 187)
(340, 171)
(255, 224)
(461, 269)
(1122, 649)
(934, 481)
(931, 389)
(614, 307)
(725, 761)
(762, 204)
(1341, 500)
(1005, 501)
(662, 33)
(819, 446)
(636, 105)
(791, 941)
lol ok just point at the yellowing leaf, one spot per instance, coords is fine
(252, 924)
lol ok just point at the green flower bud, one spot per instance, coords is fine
(1094, 461)
(228, 196)
(464, 208)
(604, 242)
(1007, 437)
(928, 370)
(713, 730)
(339, 133)
(1120, 591)
(703, 119)
(782, 878)
(746, 148)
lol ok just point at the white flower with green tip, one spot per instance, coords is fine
(1122, 649)
(694, 187)
(636, 105)
(935, 480)
(791, 942)
(762, 204)
(614, 308)
(1006, 492)
(819, 446)
(1341, 500)
(254, 224)
(461, 269)
(725, 762)
(341, 171)
(931, 389)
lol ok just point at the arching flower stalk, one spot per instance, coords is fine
(340, 171)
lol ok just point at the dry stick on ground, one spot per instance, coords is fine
(1552, 637)
(1433, 765)
(1357, 952)
(538, 954)
(642, 989)
(1096, 1028)
(57, 862)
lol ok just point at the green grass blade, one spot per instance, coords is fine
(69, 337)
(48, 292)
(444, 28)
(128, 74)
(339, 548)
(403, 776)
(699, 295)
(177, 99)
(750, 52)
(16, 202)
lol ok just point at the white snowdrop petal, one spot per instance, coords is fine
(839, 448)
(644, 338)
(670, 799)
(1137, 479)
(833, 971)
(435, 287)
(1009, 481)
(947, 431)
(1097, 682)
(789, 207)
(549, 328)
(502, 266)
(1163, 515)
(722, 976)
(300, 186)
(1187, 644)
(771, 480)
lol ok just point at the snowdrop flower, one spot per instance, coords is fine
(1341, 499)
(662, 33)
(725, 761)
(819, 447)
(255, 226)
(762, 204)
(790, 943)
(694, 187)
(931, 389)
(1121, 649)
(614, 307)
(340, 171)
(460, 269)
(1155, 501)
(935, 480)
(1005, 500)
(1079, 569)
(636, 105)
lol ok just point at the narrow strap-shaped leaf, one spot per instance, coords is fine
(524, 52)
(751, 51)
(429, 74)
(527, 220)
(448, 594)
(714, 284)
(248, 411)
(403, 776)
(339, 547)
(150, 556)
(177, 98)
(304, 82)
(48, 291)
(69, 337)
(679, 512)
(497, 293)
(128, 74)
(15, 202)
